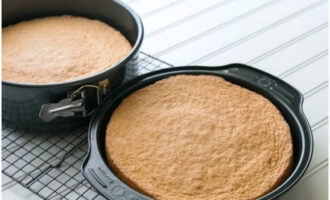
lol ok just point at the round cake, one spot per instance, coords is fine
(59, 49)
(193, 137)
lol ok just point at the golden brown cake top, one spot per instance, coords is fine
(59, 49)
(199, 137)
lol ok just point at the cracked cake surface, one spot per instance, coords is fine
(199, 137)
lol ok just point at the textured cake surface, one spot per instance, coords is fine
(199, 137)
(59, 49)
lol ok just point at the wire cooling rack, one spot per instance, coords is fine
(48, 163)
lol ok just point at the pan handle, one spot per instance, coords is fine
(252, 76)
(108, 185)
(101, 177)
(78, 103)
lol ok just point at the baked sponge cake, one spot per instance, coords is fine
(192, 137)
(59, 49)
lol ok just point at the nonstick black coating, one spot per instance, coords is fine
(286, 98)
(21, 103)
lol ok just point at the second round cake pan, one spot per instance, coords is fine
(286, 98)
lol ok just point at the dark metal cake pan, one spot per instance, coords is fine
(22, 103)
(286, 98)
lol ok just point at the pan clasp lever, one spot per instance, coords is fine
(78, 103)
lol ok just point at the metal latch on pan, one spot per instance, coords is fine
(75, 105)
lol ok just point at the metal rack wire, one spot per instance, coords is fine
(48, 163)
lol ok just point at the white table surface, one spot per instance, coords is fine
(287, 38)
